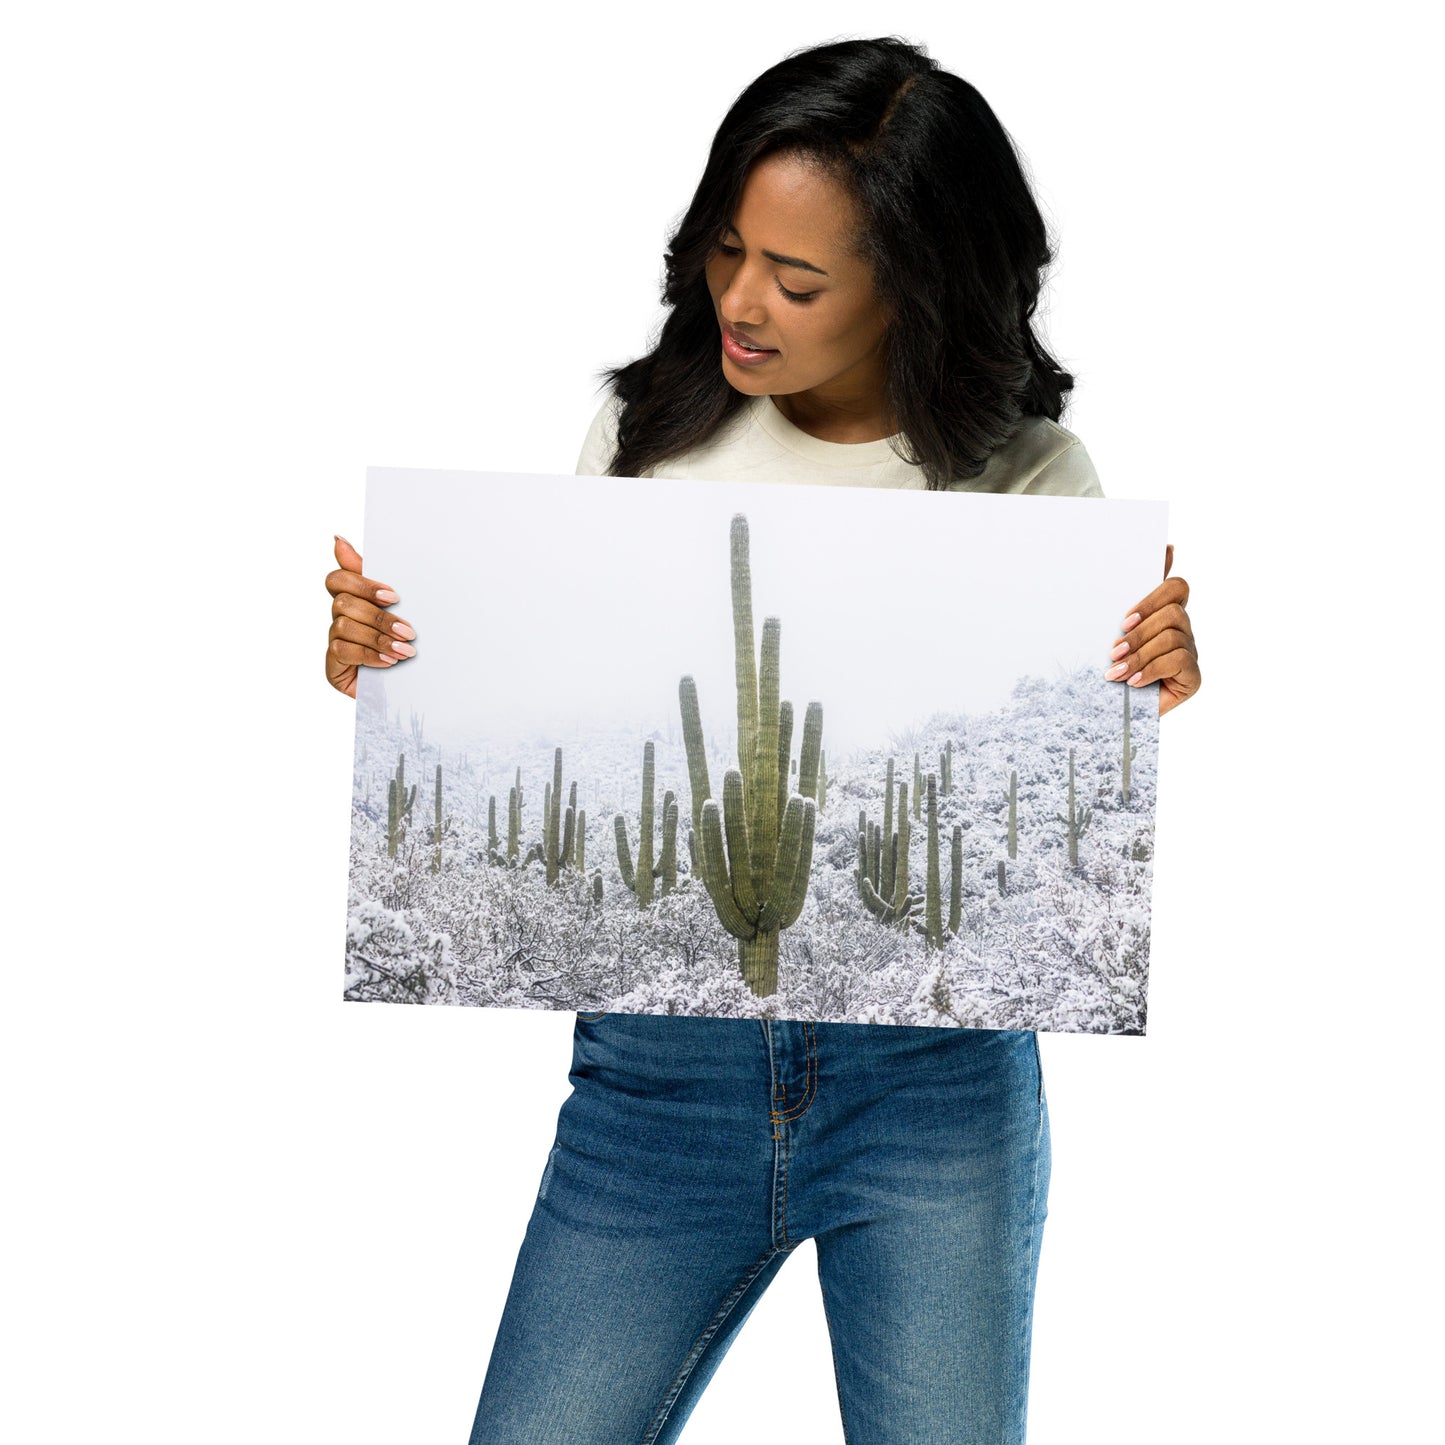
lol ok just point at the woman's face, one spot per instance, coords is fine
(790, 234)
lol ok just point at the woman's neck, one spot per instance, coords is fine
(838, 419)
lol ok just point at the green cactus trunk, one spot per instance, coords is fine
(1013, 815)
(1078, 818)
(917, 790)
(758, 958)
(955, 883)
(887, 830)
(398, 806)
(933, 888)
(492, 839)
(1002, 879)
(436, 865)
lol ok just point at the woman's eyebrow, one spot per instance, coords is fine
(784, 260)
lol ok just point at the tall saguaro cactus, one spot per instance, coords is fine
(436, 862)
(1013, 814)
(758, 880)
(640, 879)
(1078, 817)
(933, 895)
(398, 806)
(558, 832)
(1129, 749)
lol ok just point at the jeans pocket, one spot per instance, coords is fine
(591, 1018)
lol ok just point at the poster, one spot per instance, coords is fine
(747, 749)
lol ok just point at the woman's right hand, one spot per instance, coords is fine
(362, 632)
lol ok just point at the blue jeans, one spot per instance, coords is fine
(693, 1155)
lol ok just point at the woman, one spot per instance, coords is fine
(849, 300)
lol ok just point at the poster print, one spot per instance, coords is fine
(747, 749)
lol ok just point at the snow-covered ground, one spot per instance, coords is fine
(1062, 949)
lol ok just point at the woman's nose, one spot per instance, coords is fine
(741, 303)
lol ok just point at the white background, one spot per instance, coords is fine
(251, 250)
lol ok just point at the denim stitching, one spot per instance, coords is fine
(810, 1087)
(686, 1368)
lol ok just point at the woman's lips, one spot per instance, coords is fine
(737, 350)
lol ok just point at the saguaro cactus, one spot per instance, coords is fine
(398, 806)
(895, 904)
(492, 839)
(933, 904)
(640, 879)
(1013, 815)
(932, 926)
(436, 862)
(822, 798)
(1129, 749)
(758, 882)
(917, 789)
(955, 883)
(1078, 817)
(945, 768)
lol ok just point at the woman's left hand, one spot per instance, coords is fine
(1157, 643)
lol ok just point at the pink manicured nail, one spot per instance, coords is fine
(1130, 620)
(402, 630)
(1134, 681)
(1118, 670)
(1120, 650)
(404, 648)
(385, 594)
(389, 660)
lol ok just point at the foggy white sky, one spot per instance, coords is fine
(562, 602)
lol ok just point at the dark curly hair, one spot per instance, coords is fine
(951, 230)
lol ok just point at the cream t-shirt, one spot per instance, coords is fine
(758, 443)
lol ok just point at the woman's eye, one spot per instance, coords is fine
(725, 250)
(796, 295)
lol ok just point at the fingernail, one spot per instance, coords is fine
(1118, 670)
(404, 648)
(385, 594)
(402, 630)
(1130, 620)
(340, 538)
(1120, 650)
(1134, 681)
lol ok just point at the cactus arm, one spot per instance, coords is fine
(762, 796)
(808, 765)
(790, 842)
(785, 748)
(696, 749)
(744, 896)
(624, 853)
(744, 657)
(715, 863)
(804, 869)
